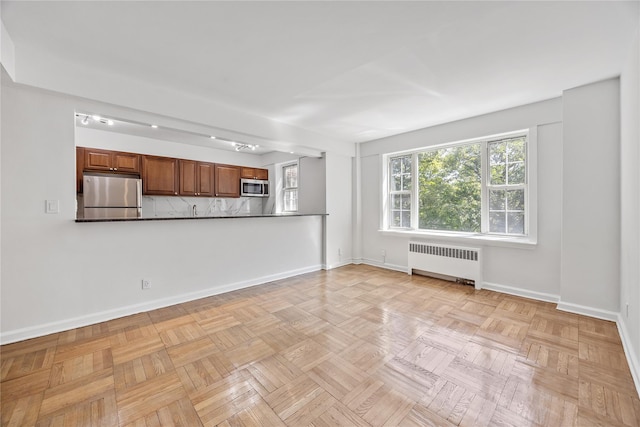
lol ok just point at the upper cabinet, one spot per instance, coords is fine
(254, 173)
(159, 176)
(227, 181)
(168, 176)
(196, 178)
(111, 161)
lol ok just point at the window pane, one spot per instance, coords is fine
(290, 176)
(497, 200)
(406, 202)
(516, 173)
(516, 222)
(395, 201)
(401, 210)
(406, 219)
(406, 182)
(400, 173)
(396, 183)
(449, 186)
(516, 150)
(291, 200)
(497, 222)
(396, 166)
(395, 219)
(507, 161)
(497, 153)
(515, 200)
(498, 175)
(406, 164)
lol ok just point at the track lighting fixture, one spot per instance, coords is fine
(95, 118)
(87, 118)
(240, 146)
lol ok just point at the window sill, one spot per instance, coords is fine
(469, 239)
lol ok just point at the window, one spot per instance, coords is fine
(400, 191)
(450, 188)
(472, 187)
(506, 186)
(290, 187)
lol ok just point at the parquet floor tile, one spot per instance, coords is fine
(354, 346)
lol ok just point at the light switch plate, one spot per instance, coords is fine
(52, 206)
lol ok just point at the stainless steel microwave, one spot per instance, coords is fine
(254, 188)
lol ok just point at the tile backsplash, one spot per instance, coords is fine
(163, 207)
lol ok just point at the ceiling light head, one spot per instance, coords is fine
(233, 143)
(110, 122)
(85, 120)
(212, 137)
(96, 117)
(154, 126)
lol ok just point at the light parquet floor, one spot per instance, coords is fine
(355, 346)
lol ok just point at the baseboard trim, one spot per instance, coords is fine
(588, 311)
(374, 263)
(337, 265)
(520, 292)
(632, 359)
(103, 316)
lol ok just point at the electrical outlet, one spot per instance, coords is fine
(146, 284)
(52, 206)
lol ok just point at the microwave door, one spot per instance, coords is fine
(251, 189)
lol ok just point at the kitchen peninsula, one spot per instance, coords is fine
(279, 215)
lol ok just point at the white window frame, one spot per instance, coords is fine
(285, 188)
(491, 239)
(410, 193)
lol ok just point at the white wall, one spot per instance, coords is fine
(339, 222)
(7, 51)
(630, 205)
(77, 79)
(312, 185)
(58, 274)
(533, 271)
(590, 269)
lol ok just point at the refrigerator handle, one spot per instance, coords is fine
(139, 193)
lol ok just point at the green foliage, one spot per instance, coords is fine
(450, 188)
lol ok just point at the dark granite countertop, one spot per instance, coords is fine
(173, 218)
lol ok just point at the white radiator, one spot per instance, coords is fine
(455, 261)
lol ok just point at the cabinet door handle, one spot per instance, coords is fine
(115, 169)
(176, 193)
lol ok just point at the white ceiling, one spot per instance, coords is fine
(353, 71)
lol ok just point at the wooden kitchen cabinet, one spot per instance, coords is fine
(254, 173)
(227, 181)
(196, 178)
(79, 168)
(159, 176)
(111, 161)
